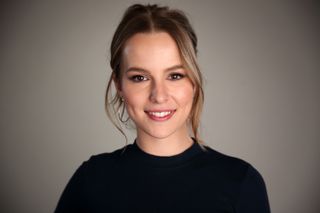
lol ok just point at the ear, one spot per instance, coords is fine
(117, 84)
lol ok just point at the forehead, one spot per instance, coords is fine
(154, 51)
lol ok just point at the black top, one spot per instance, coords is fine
(132, 180)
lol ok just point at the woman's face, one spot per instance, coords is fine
(156, 88)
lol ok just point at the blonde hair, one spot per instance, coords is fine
(152, 18)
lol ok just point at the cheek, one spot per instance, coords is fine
(134, 98)
(129, 91)
(184, 95)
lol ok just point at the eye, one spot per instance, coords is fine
(176, 76)
(138, 78)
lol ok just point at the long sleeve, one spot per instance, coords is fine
(71, 199)
(253, 196)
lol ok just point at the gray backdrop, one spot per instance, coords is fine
(260, 60)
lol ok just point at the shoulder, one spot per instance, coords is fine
(230, 166)
(100, 163)
(244, 181)
(99, 167)
(106, 158)
(218, 159)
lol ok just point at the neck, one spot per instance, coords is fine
(168, 146)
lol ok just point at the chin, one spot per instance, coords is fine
(160, 133)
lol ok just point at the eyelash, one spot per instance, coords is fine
(137, 78)
(180, 76)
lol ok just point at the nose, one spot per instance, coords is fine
(159, 93)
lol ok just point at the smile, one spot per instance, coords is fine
(160, 115)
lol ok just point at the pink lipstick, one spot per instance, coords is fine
(162, 115)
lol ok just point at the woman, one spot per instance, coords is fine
(159, 85)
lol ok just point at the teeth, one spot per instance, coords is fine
(160, 114)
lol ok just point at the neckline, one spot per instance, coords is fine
(145, 159)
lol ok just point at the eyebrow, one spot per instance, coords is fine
(138, 69)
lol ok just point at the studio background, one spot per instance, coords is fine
(260, 60)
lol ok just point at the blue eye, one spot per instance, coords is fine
(138, 78)
(176, 76)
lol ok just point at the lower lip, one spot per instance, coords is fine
(165, 118)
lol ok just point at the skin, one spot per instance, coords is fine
(155, 79)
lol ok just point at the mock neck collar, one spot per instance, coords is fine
(145, 159)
